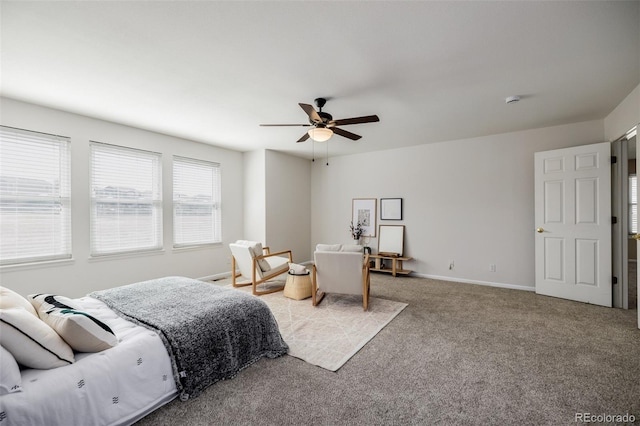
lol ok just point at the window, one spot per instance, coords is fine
(35, 197)
(196, 202)
(633, 204)
(126, 200)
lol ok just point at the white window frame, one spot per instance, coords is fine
(35, 197)
(197, 212)
(126, 214)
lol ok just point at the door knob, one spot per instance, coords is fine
(636, 236)
(540, 230)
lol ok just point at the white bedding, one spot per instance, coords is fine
(114, 387)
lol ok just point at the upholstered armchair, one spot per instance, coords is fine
(340, 269)
(258, 264)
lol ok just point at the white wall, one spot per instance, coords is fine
(82, 275)
(278, 201)
(254, 193)
(288, 204)
(623, 117)
(470, 200)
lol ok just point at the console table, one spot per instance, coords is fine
(396, 264)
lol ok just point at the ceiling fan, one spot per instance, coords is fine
(324, 126)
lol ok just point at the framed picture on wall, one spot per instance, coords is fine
(363, 211)
(390, 208)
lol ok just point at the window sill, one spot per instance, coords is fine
(118, 256)
(37, 265)
(196, 247)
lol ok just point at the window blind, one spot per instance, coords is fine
(35, 197)
(196, 202)
(126, 200)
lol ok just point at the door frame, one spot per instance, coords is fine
(620, 229)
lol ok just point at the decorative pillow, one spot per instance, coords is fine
(51, 301)
(328, 247)
(32, 342)
(11, 299)
(83, 332)
(10, 379)
(262, 263)
(256, 248)
(352, 248)
(295, 269)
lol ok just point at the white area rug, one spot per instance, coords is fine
(331, 333)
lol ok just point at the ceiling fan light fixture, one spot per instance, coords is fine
(320, 134)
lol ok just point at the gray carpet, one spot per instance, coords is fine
(458, 354)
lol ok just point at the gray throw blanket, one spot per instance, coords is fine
(210, 332)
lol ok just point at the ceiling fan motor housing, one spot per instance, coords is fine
(326, 117)
(320, 102)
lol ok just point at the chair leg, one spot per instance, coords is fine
(264, 279)
(271, 290)
(315, 297)
(234, 275)
(366, 286)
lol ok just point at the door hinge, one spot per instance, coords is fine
(614, 280)
(614, 219)
(614, 159)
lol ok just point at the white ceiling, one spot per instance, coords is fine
(433, 71)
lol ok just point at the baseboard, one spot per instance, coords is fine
(413, 274)
(216, 276)
(228, 273)
(467, 281)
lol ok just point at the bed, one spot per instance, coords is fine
(176, 336)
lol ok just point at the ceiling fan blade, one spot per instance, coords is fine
(303, 138)
(277, 125)
(311, 112)
(355, 120)
(346, 134)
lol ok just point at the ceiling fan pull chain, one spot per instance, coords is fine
(327, 153)
(313, 151)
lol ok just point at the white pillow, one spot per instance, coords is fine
(11, 299)
(83, 332)
(10, 379)
(37, 300)
(262, 263)
(256, 248)
(32, 342)
(352, 248)
(328, 247)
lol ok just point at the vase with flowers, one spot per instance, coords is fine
(356, 232)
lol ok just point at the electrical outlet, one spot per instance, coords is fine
(228, 261)
(452, 264)
(492, 267)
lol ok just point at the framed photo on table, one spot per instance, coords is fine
(363, 211)
(390, 208)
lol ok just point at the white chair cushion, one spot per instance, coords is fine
(256, 249)
(354, 248)
(339, 272)
(278, 263)
(328, 247)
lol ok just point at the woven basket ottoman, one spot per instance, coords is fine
(298, 287)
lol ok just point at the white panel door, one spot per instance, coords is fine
(573, 223)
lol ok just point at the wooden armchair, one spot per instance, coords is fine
(258, 264)
(340, 272)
